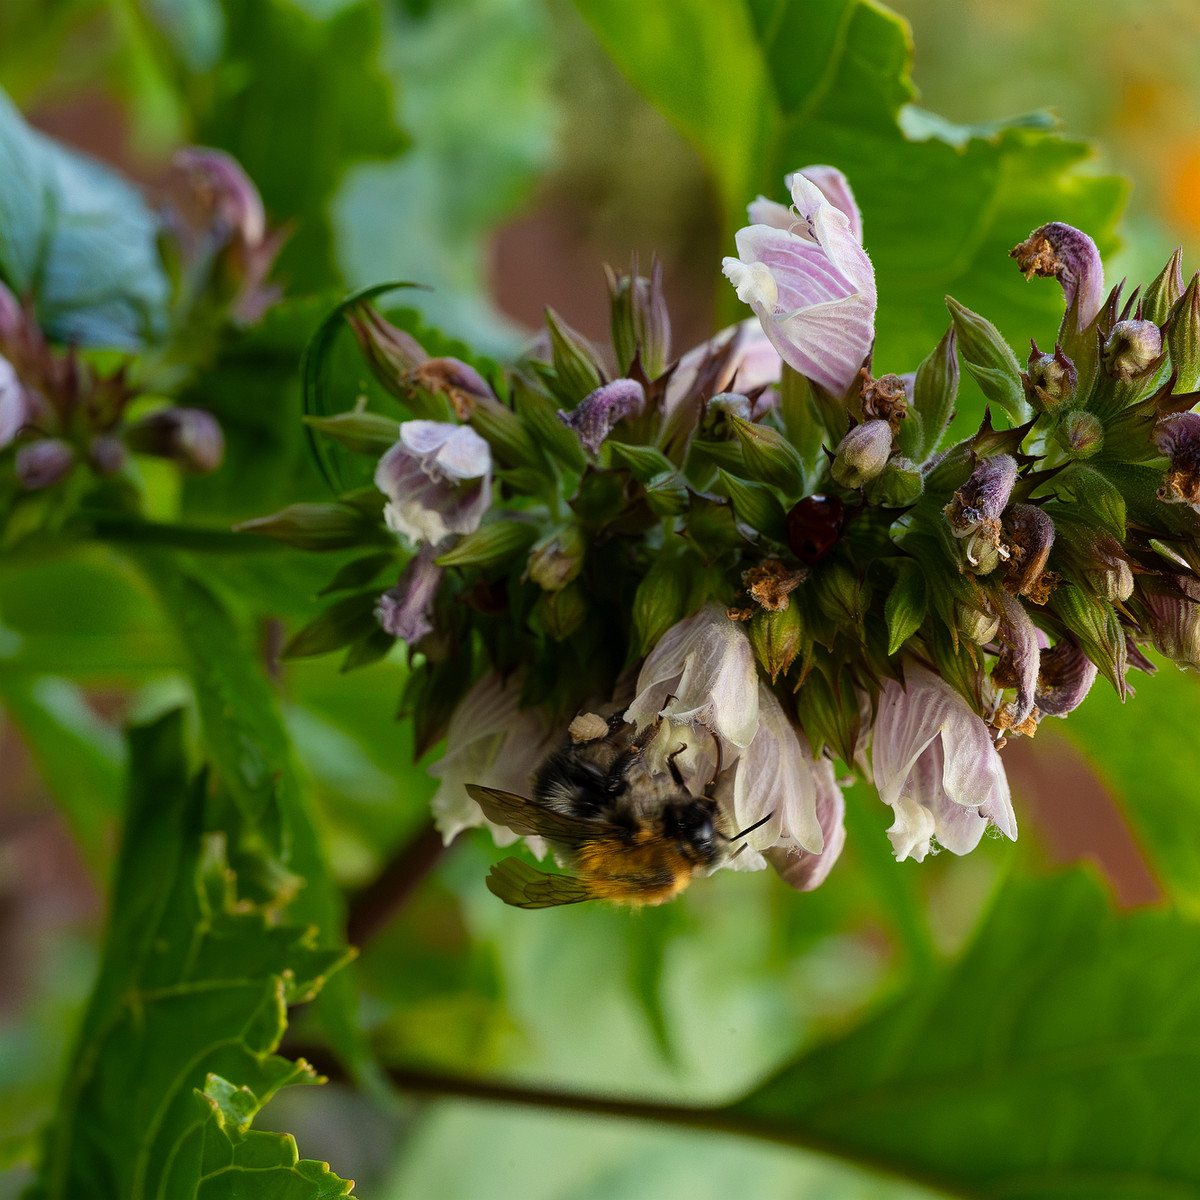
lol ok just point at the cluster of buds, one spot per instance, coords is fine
(59, 413)
(765, 547)
(66, 413)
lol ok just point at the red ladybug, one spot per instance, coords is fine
(814, 526)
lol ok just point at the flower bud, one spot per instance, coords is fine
(359, 431)
(490, 545)
(315, 527)
(934, 391)
(1183, 338)
(44, 463)
(1160, 296)
(658, 603)
(667, 494)
(189, 436)
(1178, 437)
(576, 364)
(777, 637)
(990, 361)
(899, 485)
(1065, 676)
(557, 558)
(391, 354)
(756, 505)
(1110, 575)
(1051, 379)
(862, 453)
(641, 326)
(107, 454)
(599, 411)
(769, 456)
(976, 624)
(1080, 433)
(1132, 349)
(560, 613)
(843, 595)
(226, 190)
(1173, 622)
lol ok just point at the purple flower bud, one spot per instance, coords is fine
(1051, 378)
(1178, 437)
(227, 191)
(1071, 257)
(438, 480)
(599, 411)
(812, 287)
(191, 437)
(1065, 676)
(974, 513)
(391, 353)
(1132, 349)
(44, 463)
(14, 405)
(1173, 618)
(404, 609)
(107, 454)
(862, 453)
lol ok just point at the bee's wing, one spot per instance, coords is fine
(528, 818)
(523, 886)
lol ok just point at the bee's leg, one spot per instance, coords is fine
(675, 775)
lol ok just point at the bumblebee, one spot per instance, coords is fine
(630, 836)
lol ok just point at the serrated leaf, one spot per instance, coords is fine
(194, 980)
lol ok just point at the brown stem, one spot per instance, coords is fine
(376, 904)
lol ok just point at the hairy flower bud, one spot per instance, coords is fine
(315, 526)
(557, 558)
(1110, 575)
(1080, 433)
(776, 636)
(641, 325)
(576, 364)
(600, 411)
(189, 436)
(44, 463)
(1065, 676)
(1132, 349)
(1183, 338)
(862, 453)
(391, 353)
(1050, 380)
(989, 359)
(977, 625)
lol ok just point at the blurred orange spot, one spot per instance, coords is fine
(1183, 186)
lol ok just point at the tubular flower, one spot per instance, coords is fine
(600, 410)
(811, 285)
(438, 480)
(935, 765)
(974, 513)
(701, 673)
(404, 610)
(1070, 256)
(493, 742)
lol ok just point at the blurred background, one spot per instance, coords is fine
(492, 149)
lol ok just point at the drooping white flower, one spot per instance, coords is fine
(404, 610)
(492, 742)
(934, 763)
(701, 673)
(809, 281)
(438, 480)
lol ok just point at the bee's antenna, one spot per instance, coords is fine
(750, 828)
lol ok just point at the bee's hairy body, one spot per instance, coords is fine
(631, 836)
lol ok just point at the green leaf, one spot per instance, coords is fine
(1034, 1066)
(764, 87)
(79, 240)
(490, 545)
(252, 758)
(194, 981)
(298, 101)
